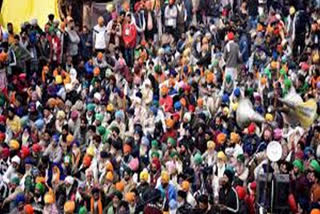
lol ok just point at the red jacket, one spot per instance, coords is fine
(167, 103)
(250, 201)
(55, 48)
(129, 35)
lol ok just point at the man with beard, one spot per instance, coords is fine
(96, 206)
(143, 187)
(12, 169)
(116, 198)
(153, 206)
(299, 184)
(155, 171)
(129, 183)
(13, 121)
(38, 199)
(65, 192)
(183, 206)
(314, 178)
(54, 151)
(203, 206)
(228, 198)
(20, 202)
(218, 170)
(167, 189)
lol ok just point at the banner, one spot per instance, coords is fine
(20, 11)
(306, 112)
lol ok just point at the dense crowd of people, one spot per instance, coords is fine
(139, 113)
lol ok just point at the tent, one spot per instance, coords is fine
(19, 11)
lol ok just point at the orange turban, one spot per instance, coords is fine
(234, 137)
(164, 90)
(263, 80)
(185, 186)
(170, 123)
(210, 77)
(130, 196)
(69, 207)
(221, 138)
(120, 186)
(100, 56)
(96, 71)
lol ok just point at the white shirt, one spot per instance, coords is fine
(99, 35)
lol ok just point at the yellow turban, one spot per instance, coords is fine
(144, 175)
(58, 79)
(110, 107)
(269, 117)
(211, 144)
(165, 177)
(49, 198)
(109, 176)
(292, 10)
(222, 156)
(69, 207)
(234, 106)
(90, 151)
(69, 138)
(14, 144)
(185, 186)
(109, 166)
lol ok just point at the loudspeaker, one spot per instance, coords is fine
(281, 191)
(264, 190)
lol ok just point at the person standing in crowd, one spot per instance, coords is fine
(232, 57)
(228, 197)
(129, 36)
(99, 36)
(170, 16)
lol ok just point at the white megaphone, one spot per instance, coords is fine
(303, 113)
(246, 114)
(292, 99)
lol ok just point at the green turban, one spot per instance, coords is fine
(197, 158)
(40, 187)
(83, 210)
(101, 130)
(99, 117)
(157, 68)
(15, 181)
(155, 154)
(287, 83)
(315, 165)
(267, 73)
(228, 78)
(91, 107)
(298, 164)
(172, 141)
(154, 144)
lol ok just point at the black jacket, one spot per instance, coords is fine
(229, 198)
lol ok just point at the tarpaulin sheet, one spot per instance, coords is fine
(20, 11)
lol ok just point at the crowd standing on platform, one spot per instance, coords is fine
(139, 113)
